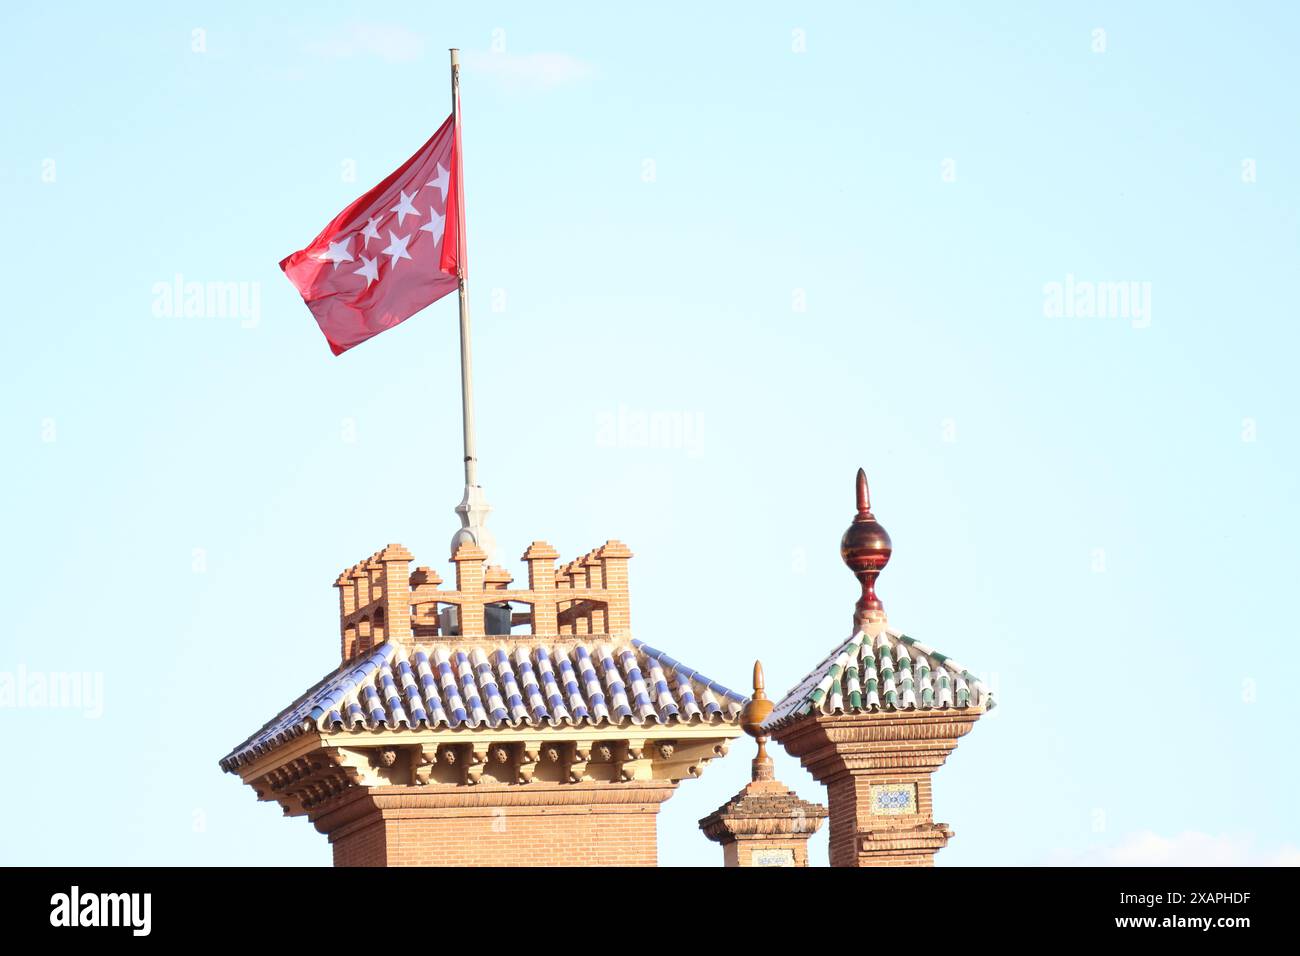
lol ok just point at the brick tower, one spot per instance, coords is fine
(876, 718)
(442, 739)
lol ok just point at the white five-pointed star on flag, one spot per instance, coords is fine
(435, 225)
(405, 208)
(337, 252)
(441, 181)
(369, 269)
(396, 248)
(370, 232)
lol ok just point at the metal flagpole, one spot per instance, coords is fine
(473, 508)
(466, 363)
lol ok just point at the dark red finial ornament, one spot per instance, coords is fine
(866, 548)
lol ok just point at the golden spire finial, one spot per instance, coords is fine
(751, 722)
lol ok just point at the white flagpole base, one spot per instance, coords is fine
(473, 510)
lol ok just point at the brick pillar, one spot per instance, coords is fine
(877, 768)
(496, 578)
(541, 825)
(563, 583)
(541, 581)
(424, 582)
(379, 617)
(394, 562)
(360, 586)
(578, 579)
(595, 570)
(347, 604)
(469, 559)
(614, 555)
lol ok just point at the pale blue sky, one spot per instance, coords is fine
(1098, 515)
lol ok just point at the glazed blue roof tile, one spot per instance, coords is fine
(513, 684)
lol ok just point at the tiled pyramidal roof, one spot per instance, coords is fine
(507, 685)
(893, 672)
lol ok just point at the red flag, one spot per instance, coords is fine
(391, 252)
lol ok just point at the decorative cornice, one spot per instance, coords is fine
(831, 745)
(315, 779)
(928, 837)
(764, 808)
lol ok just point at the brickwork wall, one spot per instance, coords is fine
(842, 802)
(849, 799)
(507, 836)
(362, 847)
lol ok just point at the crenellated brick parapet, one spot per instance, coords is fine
(372, 608)
(381, 599)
